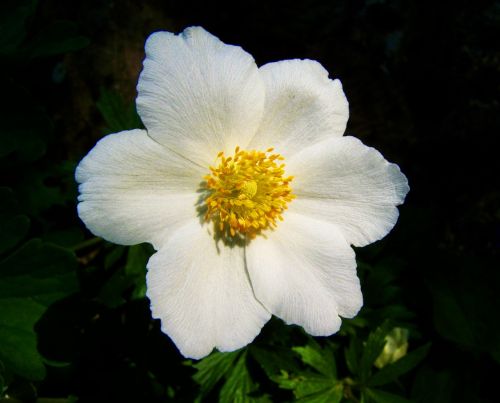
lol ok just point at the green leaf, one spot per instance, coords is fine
(372, 349)
(307, 384)
(322, 360)
(135, 268)
(380, 396)
(274, 360)
(31, 279)
(238, 384)
(331, 395)
(116, 114)
(213, 368)
(18, 345)
(131, 278)
(353, 355)
(405, 364)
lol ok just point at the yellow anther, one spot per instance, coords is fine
(248, 192)
(249, 188)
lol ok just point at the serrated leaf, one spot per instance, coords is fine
(405, 364)
(274, 360)
(31, 279)
(306, 383)
(331, 395)
(309, 384)
(380, 396)
(238, 384)
(353, 355)
(213, 368)
(322, 360)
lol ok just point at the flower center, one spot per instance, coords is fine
(247, 193)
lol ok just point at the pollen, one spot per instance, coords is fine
(247, 192)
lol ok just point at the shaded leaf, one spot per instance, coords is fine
(2, 384)
(130, 278)
(432, 386)
(462, 306)
(116, 114)
(274, 360)
(67, 238)
(31, 279)
(380, 396)
(12, 231)
(135, 268)
(114, 253)
(13, 226)
(353, 355)
(45, 188)
(18, 343)
(392, 371)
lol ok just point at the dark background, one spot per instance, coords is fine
(422, 80)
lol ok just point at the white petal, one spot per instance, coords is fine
(303, 106)
(350, 185)
(197, 95)
(134, 190)
(201, 292)
(305, 273)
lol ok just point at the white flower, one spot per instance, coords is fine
(225, 260)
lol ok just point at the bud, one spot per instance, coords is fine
(396, 346)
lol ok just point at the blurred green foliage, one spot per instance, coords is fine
(422, 80)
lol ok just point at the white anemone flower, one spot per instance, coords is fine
(237, 238)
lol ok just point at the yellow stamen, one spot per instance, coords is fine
(248, 192)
